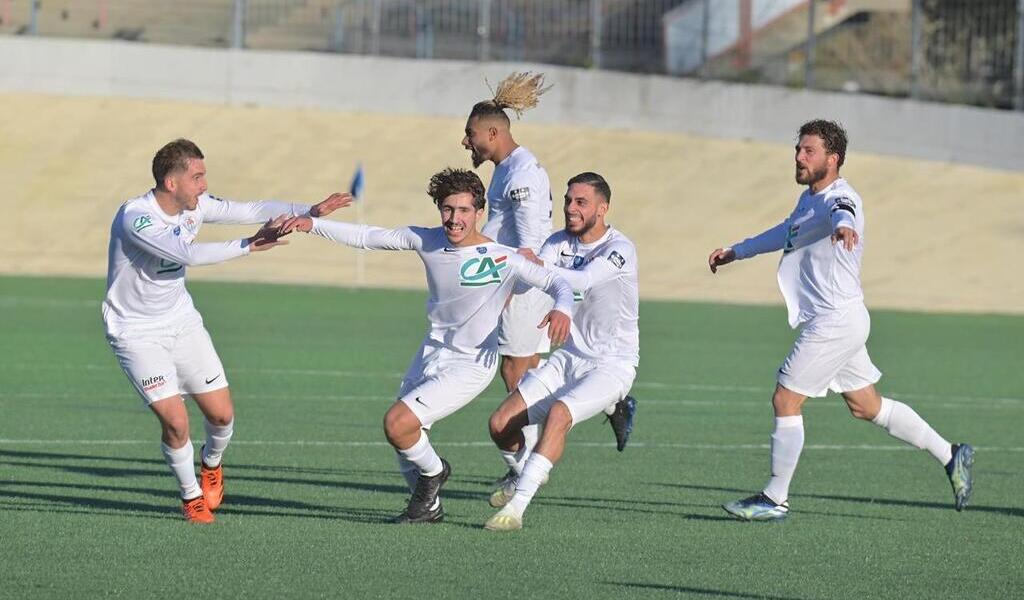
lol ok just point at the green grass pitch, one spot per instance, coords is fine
(88, 508)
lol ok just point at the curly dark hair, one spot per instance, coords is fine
(457, 181)
(831, 133)
(174, 156)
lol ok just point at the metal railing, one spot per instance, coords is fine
(965, 51)
(968, 51)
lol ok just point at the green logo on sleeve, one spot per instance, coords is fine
(477, 272)
(790, 236)
(142, 222)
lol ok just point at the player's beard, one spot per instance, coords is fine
(813, 176)
(585, 227)
(474, 155)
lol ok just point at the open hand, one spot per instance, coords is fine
(557, 323)
(330, 204)
(303, 224)
(267, 236)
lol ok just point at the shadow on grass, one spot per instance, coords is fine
(108, 472)
(595, 504)
(693, 590)
(997, 510)
(51, 456)
(235, 505)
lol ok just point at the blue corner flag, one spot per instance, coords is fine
(356, 188)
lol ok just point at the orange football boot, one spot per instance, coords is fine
(211, 480)
(196, 510)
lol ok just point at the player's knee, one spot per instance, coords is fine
(785, 403)
(176, 432)
(497, 426)
(559, 418)
(221, 419)
(397, 425)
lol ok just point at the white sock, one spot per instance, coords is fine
(422, 455)
(181, 462)
(787, 443)
(907, 426)
(530, 435)
(534, 473)
(409, 471)
(217, 438)
(517, 460)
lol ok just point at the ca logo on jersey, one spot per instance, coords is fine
(142, 222)
(790, 236)
(477, 272)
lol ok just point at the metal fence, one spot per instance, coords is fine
(968, 51)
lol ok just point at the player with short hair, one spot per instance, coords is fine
(153, 327)
(822, 241)
(596, 367)
(469, 280)
(519, 215)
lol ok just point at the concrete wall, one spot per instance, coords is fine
(447, 88)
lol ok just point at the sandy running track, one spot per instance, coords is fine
(939, 236)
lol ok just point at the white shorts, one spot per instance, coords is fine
(517, 331)
(587, 388)
(440, 382)
(171, 362)
(829, 354)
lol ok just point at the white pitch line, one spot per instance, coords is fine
(705, 387)
(382, 444)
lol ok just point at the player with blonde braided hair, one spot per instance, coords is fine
(519, 215)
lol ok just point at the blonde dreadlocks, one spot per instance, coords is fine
(519, 92)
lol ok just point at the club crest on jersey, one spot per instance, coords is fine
(481, 250)
(616, 259)
(142, 222)
(577, 262)
(519, 195)
(477, 272)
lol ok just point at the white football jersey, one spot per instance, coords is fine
(815, 275)
(150, 249)
(519, 202)
(467, 286)
(604, 278)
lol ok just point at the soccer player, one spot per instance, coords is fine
(152, 326)
(597, 365)
(822, 241)
(469, 280)
(519, 215)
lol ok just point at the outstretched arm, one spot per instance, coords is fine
(357, 236)
(219, 210)
(767, 241)
(604, 267)
(161, 241)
